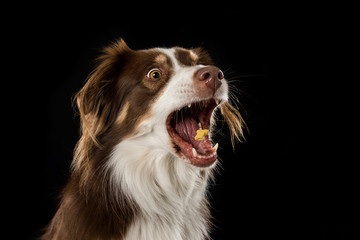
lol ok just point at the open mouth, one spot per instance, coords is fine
(188, 128)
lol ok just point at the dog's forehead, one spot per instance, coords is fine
(185, 57)
(180, 57)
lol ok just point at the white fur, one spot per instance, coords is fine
(168, 190)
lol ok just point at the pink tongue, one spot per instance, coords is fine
(187, 131)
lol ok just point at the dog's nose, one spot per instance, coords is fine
(211, 76)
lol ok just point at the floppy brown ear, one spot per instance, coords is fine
(96, 101)
(234, 121)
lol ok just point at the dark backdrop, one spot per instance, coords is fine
(289, 180)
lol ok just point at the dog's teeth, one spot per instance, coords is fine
(194, 152)
(215, 148)
(189, 106)
(217, 101)
(199, 124)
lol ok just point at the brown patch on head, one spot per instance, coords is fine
(159, 63)
(117, 96)
(192, 57)
(121, 77)
(185, 57)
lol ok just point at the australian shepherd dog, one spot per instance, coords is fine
(145, 156)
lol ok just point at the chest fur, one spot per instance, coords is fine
(169, 192)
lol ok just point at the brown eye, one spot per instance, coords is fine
(154, 74)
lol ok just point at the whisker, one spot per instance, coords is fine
(233, 98)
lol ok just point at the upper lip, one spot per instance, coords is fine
(204, 101)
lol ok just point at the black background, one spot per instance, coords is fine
(291, 179)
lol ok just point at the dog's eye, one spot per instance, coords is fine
(154, 73)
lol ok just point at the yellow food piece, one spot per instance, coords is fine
(201, 133)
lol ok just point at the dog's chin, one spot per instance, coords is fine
(182, 126)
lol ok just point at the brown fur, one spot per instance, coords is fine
(192, 57)
(88, 210)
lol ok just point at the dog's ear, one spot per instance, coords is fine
(98, 101)
(234, 121)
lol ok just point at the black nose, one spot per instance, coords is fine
(211, 76)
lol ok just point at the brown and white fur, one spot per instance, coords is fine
(133, 177)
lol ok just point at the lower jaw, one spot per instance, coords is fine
(202, 161)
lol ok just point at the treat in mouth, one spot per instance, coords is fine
(189, 127)
(201, 134)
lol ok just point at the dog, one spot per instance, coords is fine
(145, 155)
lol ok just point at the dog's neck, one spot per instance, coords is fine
(170, 193)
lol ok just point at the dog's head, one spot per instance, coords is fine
(168, 95)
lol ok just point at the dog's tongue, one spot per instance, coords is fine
(186, 128)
